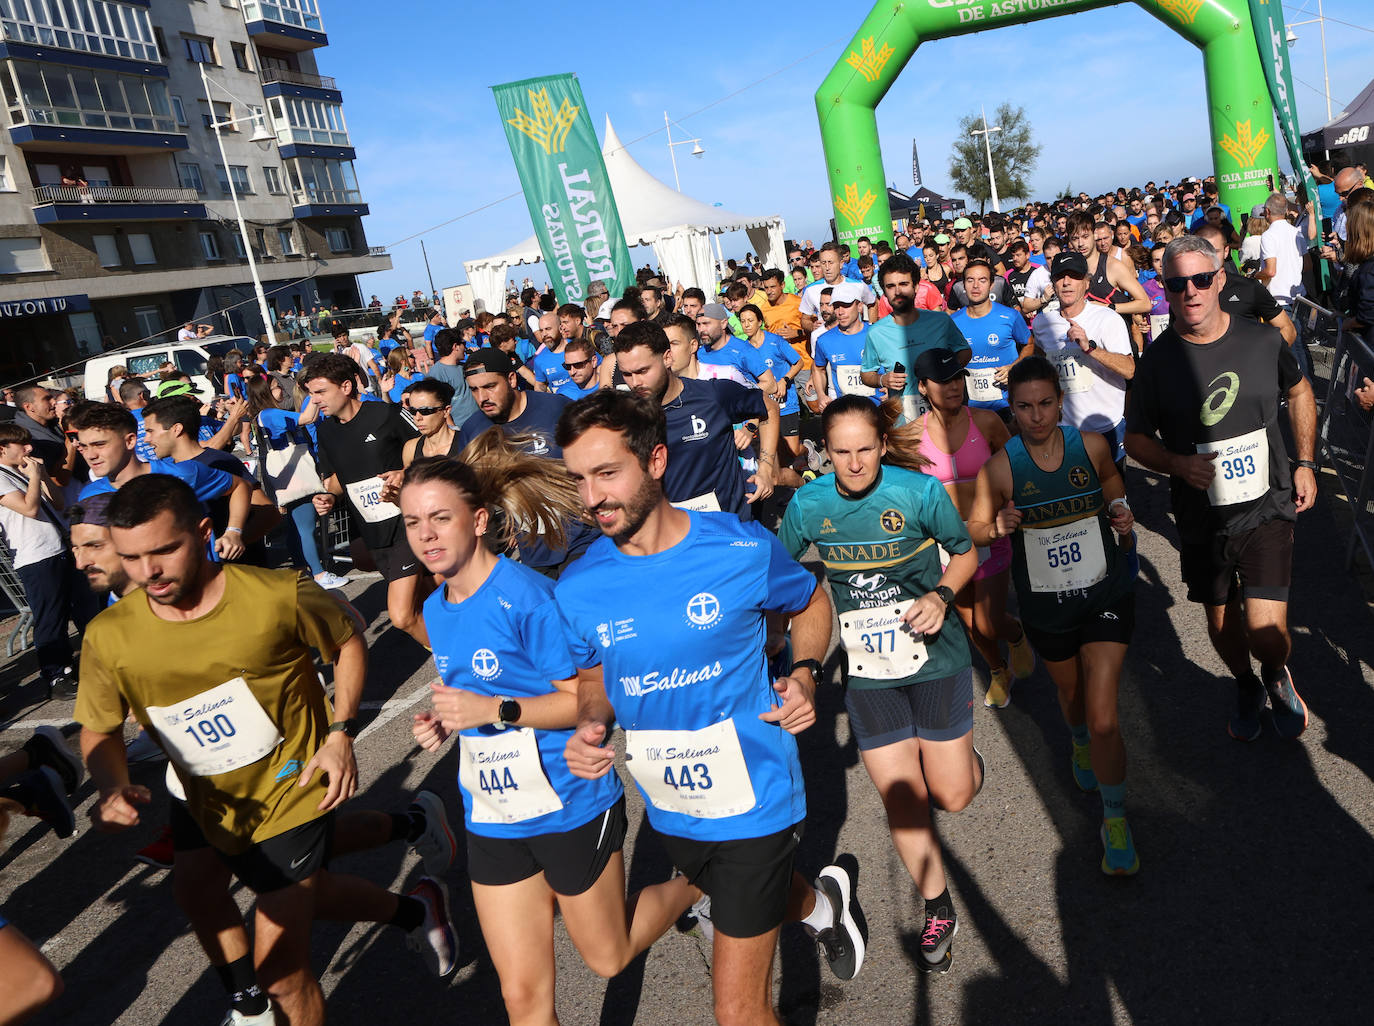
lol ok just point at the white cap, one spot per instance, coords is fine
(847, 292)
(605, 312)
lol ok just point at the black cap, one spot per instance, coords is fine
(1069, 262)
(938, 365)
(489, 361)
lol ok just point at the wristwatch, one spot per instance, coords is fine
(946, 595)
(1091, 345)
(508, 712)
(814, 665)
(349, 727)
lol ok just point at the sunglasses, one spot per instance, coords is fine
(427, 411)
(578, 365)
(1200, 281)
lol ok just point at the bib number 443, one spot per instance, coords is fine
(688, 776)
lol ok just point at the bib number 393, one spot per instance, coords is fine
(880, 644)
(1242, 468)
(216, 731)
(504, 778)
(1066, 558)
(699, 773)
(367, 500)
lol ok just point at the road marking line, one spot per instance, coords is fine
(392, 709)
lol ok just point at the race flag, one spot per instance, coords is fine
(565, 184)
(915, 167)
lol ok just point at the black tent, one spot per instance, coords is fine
(935, 205)
(1351, 127)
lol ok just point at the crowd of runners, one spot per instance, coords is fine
(593, 518)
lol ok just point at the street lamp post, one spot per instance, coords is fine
(1291, 37)
(697, 148)
(260, 135)
(986, 133)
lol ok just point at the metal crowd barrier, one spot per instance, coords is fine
(13, 589)
(1345, 433)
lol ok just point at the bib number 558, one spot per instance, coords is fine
(1064, 555)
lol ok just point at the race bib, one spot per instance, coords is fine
(699, 773)
(707, 503)
(504, 777)
(982, 385)
(914, 406)
(1159, 323)
(367, 500)
(1242, 468)
(849, 382)
(1074, 375)
(216, 731)
(880, 644)
(1065, 558)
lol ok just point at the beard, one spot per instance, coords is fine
(902, 303)
(636, 510)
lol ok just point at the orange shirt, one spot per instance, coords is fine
(784, 317)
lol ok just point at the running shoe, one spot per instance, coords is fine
(808, 476)
(841, 943)
(47, 747)
(1081, 762)
(813, 455)
(937, 940)
(144, 749)
(701, 912)
(237, 1018)
(1022, 656)
(436, 845)
(1245, 724)
(434, 938)
(325, 579)
(158, 854)
(982, 771)
(63, 686)
(999, 690)
(47, 801)
(1286, 706)
(1118, 848)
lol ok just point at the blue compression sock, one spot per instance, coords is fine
(1113, 799)
(1080, 734)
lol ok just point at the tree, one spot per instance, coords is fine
(1014, 155)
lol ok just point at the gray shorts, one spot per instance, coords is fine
(932, 710)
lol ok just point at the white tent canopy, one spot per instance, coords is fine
(652, 214)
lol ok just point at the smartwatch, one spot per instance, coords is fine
(946, 595)
(814, 665)
(349, 727)
(508, 712)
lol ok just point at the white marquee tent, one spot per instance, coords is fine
(652, 214)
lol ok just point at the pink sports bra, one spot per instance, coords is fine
(963, 465)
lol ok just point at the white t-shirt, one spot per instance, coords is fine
(1250, 248)
(1282, 243)
(1094, 397)
(31, 539)
(811, 296)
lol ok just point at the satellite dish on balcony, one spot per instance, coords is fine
(262, 135)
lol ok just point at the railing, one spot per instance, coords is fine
(301, 78)
(378, 251)
(301, 197)
(112, 194)
(300, 13)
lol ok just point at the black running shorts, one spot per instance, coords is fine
(396, 562)
(571, 861)
(789, 425)
(186, 832)
(932, 710)
(285, 859)
(748, 880)
(1115, 623)
(1259, 562)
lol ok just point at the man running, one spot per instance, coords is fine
(1205, 412)
(831, 268)
(666, 620)
(839, 351)
(581, 364)
(997, 336)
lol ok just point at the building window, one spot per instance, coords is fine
(200, 49)
(149, 320)
(107, 251)
(273, 178)
(237, 240)
(308, 121)
(339, 240)
(141, 246)
(209, 245)
(5, 175)
(218, 111)
(260, 243)
(190, 177)
(288, 242)
(243, 185)
(316, 180)
(57, 94)
(112, 29)
(178, 111)
(240, 56)
(300, 13)
(22, 256)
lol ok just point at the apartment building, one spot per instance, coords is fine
(116, 211)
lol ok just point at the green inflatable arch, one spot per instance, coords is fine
(1240, 113)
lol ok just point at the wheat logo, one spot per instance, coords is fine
(548, 129)
(1245, 147)
(1184, 10)
(870, 62)
(853, 207)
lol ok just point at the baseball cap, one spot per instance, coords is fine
(170, 388)
(962, 223)
(942, 239)
(938, 365)
(605, 312)
(1257, 210)
(715, 311)
(846, 292)
(488, 361)
(1068, 262)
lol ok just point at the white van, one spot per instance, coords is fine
(189, 357)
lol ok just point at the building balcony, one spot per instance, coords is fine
(285, 24)
(60, 129)
(307, 203)
(59, 204)
(300, 84)
(74, 35)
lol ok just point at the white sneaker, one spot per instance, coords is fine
(436, 845)
(701, 912)
(326, 579)
(237, 1018)
(434, 939)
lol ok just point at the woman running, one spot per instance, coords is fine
(537, 836)
(955, 441)
(428, 401)
(1057, 494)
(879, 530)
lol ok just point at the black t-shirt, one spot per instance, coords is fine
(1226, 395)
(1246, 297)
(366, 447)
(704, 471)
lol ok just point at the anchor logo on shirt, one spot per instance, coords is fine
(485, 664)
(703, 609)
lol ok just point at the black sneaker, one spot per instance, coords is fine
(1286, 706)
(937, 939)
(62, 687)
(1245, 724)
(48, 747)
(841, 943)
(46, 800)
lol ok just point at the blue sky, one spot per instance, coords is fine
(431, 147)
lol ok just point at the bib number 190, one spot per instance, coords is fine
(212, 730)
(695, 777)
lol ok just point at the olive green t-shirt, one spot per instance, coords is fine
(217, 692)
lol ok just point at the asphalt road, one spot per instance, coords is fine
(1253, 902)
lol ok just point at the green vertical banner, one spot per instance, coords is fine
(1272, 39)
(565, 184)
